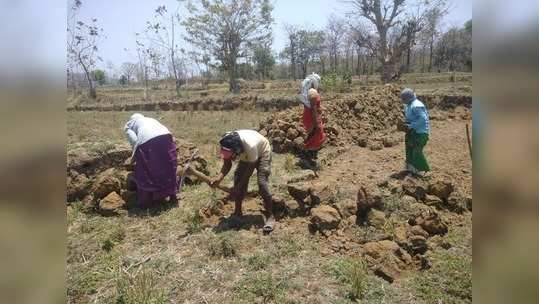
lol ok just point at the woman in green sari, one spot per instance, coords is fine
(417, 133)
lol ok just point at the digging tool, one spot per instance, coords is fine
(469, 140)
(185, 170)
(203, 177)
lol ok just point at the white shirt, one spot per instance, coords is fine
(254, 145)
(140, 129)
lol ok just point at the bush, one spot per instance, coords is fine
(337, 82)
(222, 246)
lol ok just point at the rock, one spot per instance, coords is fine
(298, 142)
(433, 200)
(432, 223)
(77, 187)
(440, 188)
(111, 204)
(377, 250)
(105, 183)
(387, 273)
(417, 230)
(293, 208)
(407, 200)
(438, 241)
(389, 141)
(346, 208)
(414, 188)
(375, 145)
(376, 218)
(292, 133)
(325, 217)
(401, 235)
(456, 202)
(418, 244)
(299, 191)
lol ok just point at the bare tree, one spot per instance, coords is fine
(128, 70)
(227, 29)
(82, 41)
(292, 32)
(162, 31)
(335, 31)
(431, 30)
(396, 30)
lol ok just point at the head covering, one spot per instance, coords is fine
(408, 95)
(136, 116)
(312, 94)
(311, 81)
(231, 141)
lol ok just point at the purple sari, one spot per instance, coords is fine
(155, 169)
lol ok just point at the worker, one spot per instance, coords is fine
(417, 129)
(312, 120)
(254, 152)
(155, 157)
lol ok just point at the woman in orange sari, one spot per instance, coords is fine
(312, 122)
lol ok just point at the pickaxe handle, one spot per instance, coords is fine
(203, 177)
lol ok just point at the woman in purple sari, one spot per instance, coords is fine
(154, 153)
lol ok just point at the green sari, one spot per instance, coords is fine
(415, 142)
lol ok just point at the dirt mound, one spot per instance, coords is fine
(100, 178)
(367, 118)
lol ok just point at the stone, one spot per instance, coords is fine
(292, 133)
(414, 188)
(77, 187)
(387, 273)
(389, 141)
(346, 208)
(299, 191)
(407, 200)
(432, 223)
(293, 208)
(375, 145)
(377, 250)
(433, 200)
(418, 244)
(417, 230)
(456, 202)
(376, 218)
(325, 217)
(105, 183)
(401, 235)
(111, 204)
(440, 188)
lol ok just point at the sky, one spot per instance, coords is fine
(120, 19)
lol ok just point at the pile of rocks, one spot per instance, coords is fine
(99, 178)
(367, 119)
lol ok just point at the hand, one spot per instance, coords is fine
(215, 182)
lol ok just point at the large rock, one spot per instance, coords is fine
(414, 188)
(368, 198)
(376, 218)
(77, 187)
(431, 222)
(112, 204)
(440, 188)
(293, 208)
(346, 208)
(299, 191)
(325, 217)
(388, 257)
(105, 183)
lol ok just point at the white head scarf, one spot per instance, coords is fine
(312, 80)
(132, 123)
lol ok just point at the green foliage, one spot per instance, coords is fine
(107, 245)
(259, 261)
(449, 281)
(264, 60)
(353, 274)
(99, 76)
(261, 286)
(194, 222)
(222, 246)
(139, 288)
(242, 23)
(337, 82)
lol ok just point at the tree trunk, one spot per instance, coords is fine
(173, 60)
(431, 53)
(91, 89)
(233, 75)
(358, 67)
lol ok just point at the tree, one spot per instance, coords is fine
(162, 32)
(292, 51)
(98, 76)
(227, 28)
(128, 69)
(454, 50)
(334, 38)
(82, 41)
(430, 31)
(263, 60)
(396, 30)
(305, 47)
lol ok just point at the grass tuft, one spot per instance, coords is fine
(222, 246)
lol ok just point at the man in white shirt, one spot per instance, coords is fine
(253, 151)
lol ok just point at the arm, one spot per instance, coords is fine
(227, 165)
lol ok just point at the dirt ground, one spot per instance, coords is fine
(195, 253)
